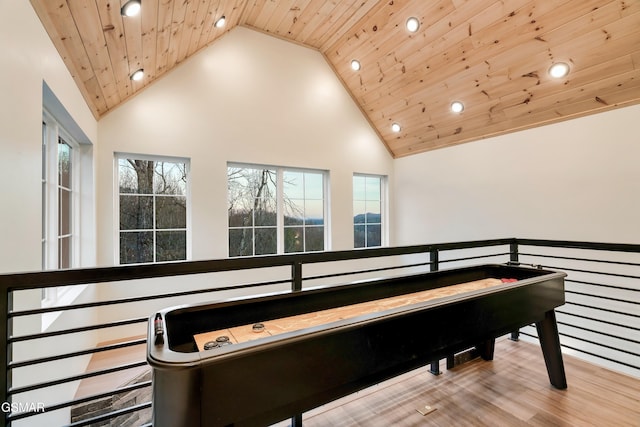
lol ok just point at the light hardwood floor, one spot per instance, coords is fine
(511, 390)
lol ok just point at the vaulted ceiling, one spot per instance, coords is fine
(491, 55)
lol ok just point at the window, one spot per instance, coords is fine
(275, 210)
(59, 196)
(152, 209)
(367, 211)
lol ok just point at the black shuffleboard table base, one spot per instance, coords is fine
(270, 379)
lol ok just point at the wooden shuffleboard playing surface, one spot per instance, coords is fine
(244, 333)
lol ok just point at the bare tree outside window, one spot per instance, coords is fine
(153, 210)
(271, 205)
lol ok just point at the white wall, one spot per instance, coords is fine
(247, 98)
(27, 58)
(575, 180)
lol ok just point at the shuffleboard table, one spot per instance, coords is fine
(256, 361)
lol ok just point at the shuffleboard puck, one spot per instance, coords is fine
(258, 327)
(222, 338)
(210, 344)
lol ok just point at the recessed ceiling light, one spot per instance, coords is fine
(457, 107)
(355, 65)
(137, 75)
(396, 127)
(413, 24)
(131, 8)
(559, 70)
(220, 22)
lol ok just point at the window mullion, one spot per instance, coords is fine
(280, 209)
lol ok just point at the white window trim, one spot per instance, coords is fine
(62, 295)
(280, 201)
(116, 203)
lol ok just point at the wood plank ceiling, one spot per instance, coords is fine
(492, 55)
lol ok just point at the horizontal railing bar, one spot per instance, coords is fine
(45, 279)
(599, 332)
(631, 353)
(110, 415)
(372, 270)
(50, 334)
(441, 261)
(23, 363)
(618, 362)
(598, 320)
(603, 261)
(623, 313)
(570, 244)
(124, 389)
(24, 389)
(602, 273)
(602, 285)
(602, 297)
(141, 298)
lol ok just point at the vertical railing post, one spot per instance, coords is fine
(296, 286)
(513, 251)
(434, 260)
(514, 258)
(296, 276)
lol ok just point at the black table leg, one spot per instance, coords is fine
(550, 343)
(486, 349)
(296, 420)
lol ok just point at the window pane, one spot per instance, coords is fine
(314, 212)
(293, 239)
(136, 212)
(373, 218)
(171, 245)
(265, 212)
(251, 190)
(314, 239)
(64, 164)
(240, 218)
(374, 236)
(359, 232)
(293, 185)
(359, 211)
(313, 187)
(359, 188)
(64, 252)
(170, 178)
(241, 242)
(373, 188)
(135, 176)
(64, 212)
(293, 212)
(266, 241)
(136, 247)
(171, 212)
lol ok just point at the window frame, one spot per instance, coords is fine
(52, 133)
(384, 233)
(280, 208)
(116, 212)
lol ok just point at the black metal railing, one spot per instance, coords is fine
(586, 325)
